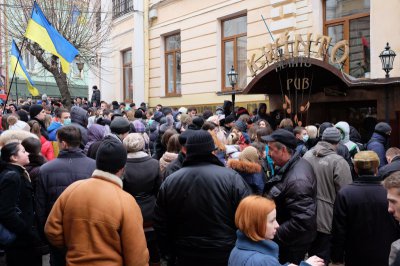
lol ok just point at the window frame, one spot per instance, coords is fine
(172, 52)
(126, 98)
(233, 38)
(121, 7)
(345, 21)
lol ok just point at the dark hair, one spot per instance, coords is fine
(71, 135)
(35, 127)
(94, 87)
(208, 125)
(167, 134)
(263, 131)
(32, 145)
(58, 112)
(9, 150)
(192, 108)
(132, 105)
(297, 130)
(4, 123)
(260, 146)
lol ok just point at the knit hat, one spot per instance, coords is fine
(197, 123)
(249, 154)
(111, 156)
(383, 128)
(34, 110)
(200, 142)
(366, 160)
(134, 142)
(282, 136)
(120, 125)
(331, 135)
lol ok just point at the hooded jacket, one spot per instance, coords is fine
(251, 173)
(351, 146)
(391, 167)
(80, 120)
(377, 144)
(52, 129)
(332, 173)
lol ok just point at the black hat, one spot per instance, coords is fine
(34, 110)
(167, 110)
(383, 128)
(184, 136)
(199, 142)
(198, 122)
(111, 156)
(120, 125)
(229, 119)
(138, 113)
(283, 136)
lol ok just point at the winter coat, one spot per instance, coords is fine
(47, 149)
(33, 168)
(195, 210)
(377, 144)
(294, 190)
(362, 229)
(142, 181)
(251, 173)
(152, 130)
(166, 159)
(106, 230)
(55, 176)
(92, 150)
(390, 168)
(332, 173)
(16, 191)
(250, 253)
(52, 130)
(174, 166)
(342, 150)
(96, 98)
(301, 147)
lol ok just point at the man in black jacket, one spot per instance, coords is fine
(55, 176)
(362, 228)
(294, 190)
(195, 208)
(393, 158)
(96, 97)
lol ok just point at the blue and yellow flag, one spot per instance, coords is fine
(21, 69)
(43, 33)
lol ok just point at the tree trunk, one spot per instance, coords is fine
(61, 80)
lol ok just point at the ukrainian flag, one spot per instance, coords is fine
(43, 33)
(21, 70)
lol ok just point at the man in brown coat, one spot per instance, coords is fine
(95, 220)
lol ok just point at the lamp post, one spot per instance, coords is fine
(387, 57)
(79, 64)
(233, 77)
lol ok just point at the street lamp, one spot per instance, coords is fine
(233, 77)
(387, 57)
(79, 64)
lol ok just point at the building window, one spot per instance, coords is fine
(234, 49)
(127, 75)
(349, 20)
(172, 57)
(121, 7)
(29, 61)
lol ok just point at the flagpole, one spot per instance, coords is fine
(16, 89)
(12, 79)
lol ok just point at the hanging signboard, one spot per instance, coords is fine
(296, 52)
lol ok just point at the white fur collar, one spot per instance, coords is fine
(108, 176)
(139, 154)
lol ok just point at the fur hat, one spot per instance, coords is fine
(111, 156)
(134, 142)
(120, 125)
(366, 160)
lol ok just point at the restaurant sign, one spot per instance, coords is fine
(295, 52)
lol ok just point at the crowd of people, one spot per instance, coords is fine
(120, 184)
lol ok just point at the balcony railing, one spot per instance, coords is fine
(121, 7)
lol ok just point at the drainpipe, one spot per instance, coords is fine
(146, 52)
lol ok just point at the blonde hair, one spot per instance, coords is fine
(251, 216)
